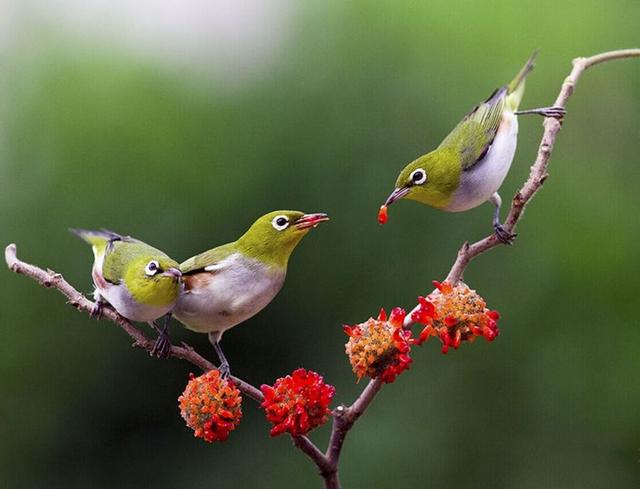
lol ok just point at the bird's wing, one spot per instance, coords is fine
(473, 136)
(209, 261)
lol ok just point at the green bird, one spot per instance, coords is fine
(231, 283)
(140, 282)
(471, 163)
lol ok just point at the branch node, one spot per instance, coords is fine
(543, 179)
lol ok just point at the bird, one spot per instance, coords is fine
(139, 281)
(231, 283)
(469, 166)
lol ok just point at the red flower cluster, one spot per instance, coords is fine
(455, 314)
(211, 406)
(380, 347)
(298, 402)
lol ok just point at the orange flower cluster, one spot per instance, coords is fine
(211, 406)
(379, 347)
(455, 314)
(298, 402)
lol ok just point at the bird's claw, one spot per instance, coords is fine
(555, 112)
(162, 346)
(504, 236)
(96, 310)
(225, 371)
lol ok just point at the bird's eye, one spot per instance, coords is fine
(152, 268)
(418, 177)
(280, 222)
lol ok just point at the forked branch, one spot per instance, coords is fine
(345, 417)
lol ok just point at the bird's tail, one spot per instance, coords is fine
(515, 89)
(97, 239)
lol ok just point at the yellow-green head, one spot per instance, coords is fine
(153, 279)
(273, 237)
(431, 179)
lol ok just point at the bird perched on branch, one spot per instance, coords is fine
(231, 283)
(140, 282)
(471, 163)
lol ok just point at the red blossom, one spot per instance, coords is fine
(379, 347)
(211, 406)
(455, 314)
(298, 402)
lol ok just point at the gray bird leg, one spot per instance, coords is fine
(214, 339)
(502, 234)
(162, 346)
(554, 112)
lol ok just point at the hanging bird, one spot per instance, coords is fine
(471, 163)
(140, 282)
(231, 283)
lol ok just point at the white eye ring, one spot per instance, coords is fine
(152, 268)
(280, 223)
(418, 177)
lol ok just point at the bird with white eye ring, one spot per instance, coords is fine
(233, 282)
(469, 166)
(140, 282)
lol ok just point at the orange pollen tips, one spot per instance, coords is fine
(297, 403)
(379, 347)
(455, 314)
(211, 406)
(382, 214)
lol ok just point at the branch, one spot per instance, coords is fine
(538, 173)
(50, 279)
(344, 418)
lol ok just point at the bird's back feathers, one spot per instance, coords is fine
(473, 136)
(208, 258)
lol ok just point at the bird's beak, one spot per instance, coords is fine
(172, 272)
(397, 194)
(311, 220)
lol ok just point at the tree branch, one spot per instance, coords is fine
(50, 279)
(345, 417)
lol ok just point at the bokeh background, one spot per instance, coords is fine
(181, 122)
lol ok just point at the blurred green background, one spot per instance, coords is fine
(181, 122)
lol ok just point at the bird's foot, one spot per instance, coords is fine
(225, 370)
(504, 236)
(555, 112)
(162, 346)
(97, 309)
